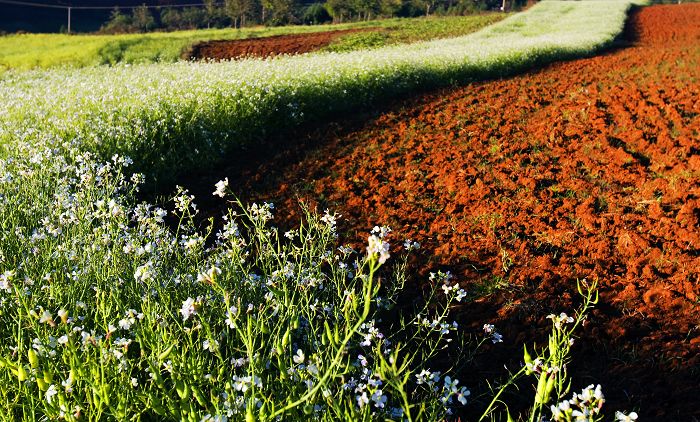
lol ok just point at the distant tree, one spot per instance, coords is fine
(365, 8)
(210, 11)
(265, 7)
(339, 9)
(238, 10)
(281, 12)
(171, 19)
(466, 7)
(142, 19)
(193, 17)
(315, 14)
(422, 7)
(118, 23)
(390, 7)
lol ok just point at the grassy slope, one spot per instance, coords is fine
(48, 50)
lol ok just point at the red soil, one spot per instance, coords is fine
(584, 169)
(265, 46)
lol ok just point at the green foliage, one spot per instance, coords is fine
(109, 313)
(549, 368)
(187, 18)
(402, 31)
(280, 12)
(143, 19)
(238, 11)
(118, 23)
(315, 14)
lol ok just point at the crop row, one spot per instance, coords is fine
(26, 51)
(177, 116)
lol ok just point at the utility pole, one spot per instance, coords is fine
(69, 19)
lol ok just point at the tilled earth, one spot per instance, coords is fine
(583, 169)
(265, 46)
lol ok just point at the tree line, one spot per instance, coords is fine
(239, 13)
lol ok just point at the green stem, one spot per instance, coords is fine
(341, 349)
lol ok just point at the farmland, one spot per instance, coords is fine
(585, 169)
(511, 197)
(26, 51)
(174, 116)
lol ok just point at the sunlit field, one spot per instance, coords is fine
(116, 309)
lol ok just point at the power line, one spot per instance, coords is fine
(57, 6)
(22, 3)
(71, 8)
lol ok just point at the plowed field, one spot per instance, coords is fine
(264, 47)
(584, 169)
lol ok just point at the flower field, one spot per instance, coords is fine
(571, 188)
(171, 117)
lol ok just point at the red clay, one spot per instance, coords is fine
(265, 46)
(585, 169)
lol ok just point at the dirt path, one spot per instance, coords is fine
(265, 46)
(585, 169)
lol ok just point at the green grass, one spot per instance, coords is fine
(27, 51)
(404, 31)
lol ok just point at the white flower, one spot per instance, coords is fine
(330, 219)
(621, 417)
(451, 385)
(231, 316)
(211, 345)
(50, 393)
(362, 360)
(423, 376)
(410, 245)
(299, 357)
(560, 320)
(209, 276)
(377, 248)
(68, 384)
(46, 318)
(362, 399)
(6, 281)
(382, 231)
(145, 272)
(189, 308)
(221, 186)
